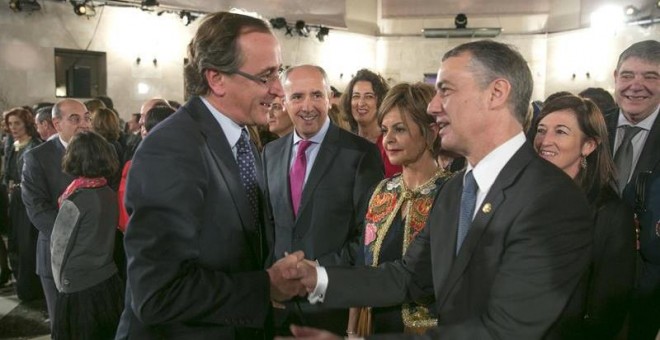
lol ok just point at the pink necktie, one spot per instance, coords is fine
(297, 174)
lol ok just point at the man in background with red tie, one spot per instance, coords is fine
(319, 179)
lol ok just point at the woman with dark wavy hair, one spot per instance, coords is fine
(22, 245)
(360, 103)
(571, 134)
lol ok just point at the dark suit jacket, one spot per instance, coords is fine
(330, 219)
(334, 199)
(649, 159)
(598, 308)
(195, 263)
(517, 268)
(43, 183)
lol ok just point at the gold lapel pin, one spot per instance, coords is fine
(487, 208)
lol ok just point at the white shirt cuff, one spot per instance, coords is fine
(318, 294)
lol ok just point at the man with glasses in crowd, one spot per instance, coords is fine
(195, 241)
(44, 182)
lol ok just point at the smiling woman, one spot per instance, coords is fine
(572, 135)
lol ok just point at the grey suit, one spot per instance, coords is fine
(43, 182)
(516, 269)
(194, 249)
(334, 200)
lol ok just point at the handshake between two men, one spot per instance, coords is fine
(291, 276)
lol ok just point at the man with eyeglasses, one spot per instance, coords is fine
(319, 180)
(44, 182)
(195, 243)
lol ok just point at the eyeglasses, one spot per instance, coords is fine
(266, 80)
(75, 119)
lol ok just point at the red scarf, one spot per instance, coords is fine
(81, 183)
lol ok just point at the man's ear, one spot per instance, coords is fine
(56, 123)
(216, 81)
(500, 89)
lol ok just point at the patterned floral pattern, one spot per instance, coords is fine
(389, 197)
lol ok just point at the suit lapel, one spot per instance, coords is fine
(611, 120)
(489, 207)
(281, 163)
(327, 151)
(224, 158)
(650, 153)
(443, 223)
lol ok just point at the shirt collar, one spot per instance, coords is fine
(490, 166)
(318, 137)
(229, 127)
(63, 142)
(646, 124)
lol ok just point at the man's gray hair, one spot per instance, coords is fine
(647, 50)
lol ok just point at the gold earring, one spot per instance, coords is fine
(583, 163)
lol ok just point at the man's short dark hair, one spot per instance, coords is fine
(648, 50)
(492, 60)
(215, 46)
(44, 114)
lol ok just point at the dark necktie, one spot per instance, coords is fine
(624, 155)
(297, 175)
(248, 172)
(468, 202)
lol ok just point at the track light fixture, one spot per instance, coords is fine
(278, 23)
(322, 33)
(461, 20)
(83, 8)
(631, 10)
(302, 29)
(188, 17)
(149, 3)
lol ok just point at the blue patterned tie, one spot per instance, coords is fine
(248, 172)
(468, 202)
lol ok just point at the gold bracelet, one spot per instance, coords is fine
(350, 333)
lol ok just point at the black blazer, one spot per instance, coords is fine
(527, 247)
(334, 200)
(194, 250)
(43, 183)
(649, 159)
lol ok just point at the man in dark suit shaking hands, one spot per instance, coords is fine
(319, 180)
(507, 239)
(195, 240)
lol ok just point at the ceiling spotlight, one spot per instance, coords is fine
(83, 8)
(14, 5)
(631, 10)
(323, 32)
(302, 29)
(278, 23)
(461, 20)
(79, 9)
(188, 16)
